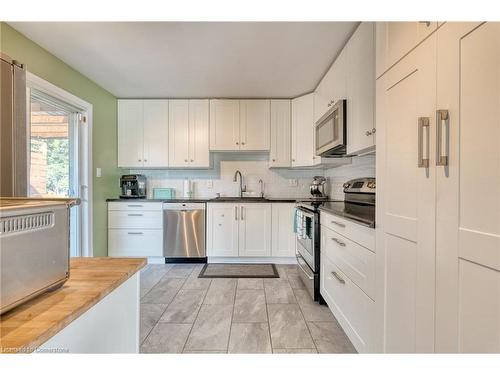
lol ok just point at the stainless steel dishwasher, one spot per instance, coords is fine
(184, 231)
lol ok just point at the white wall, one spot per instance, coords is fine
(255, 167)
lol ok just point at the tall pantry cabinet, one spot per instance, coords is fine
(438, 199)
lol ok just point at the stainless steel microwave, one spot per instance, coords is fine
(331, 131)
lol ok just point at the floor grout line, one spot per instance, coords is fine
(232, 316)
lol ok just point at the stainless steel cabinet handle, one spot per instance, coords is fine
(368, 133)
(235, 212)
(374, 130)
(338, 241)
(274, 159)
(145, 160)
(185, 160)
(237, 143)
(442, 118)
(139, 159)
(192, 160)
(135, 233)
(339, 279)
(134, 214)
(342, 225)
(426, 23)
(134, 205)
(241, 215)
(243, 143)
(423, 122)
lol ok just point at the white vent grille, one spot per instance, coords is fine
(26, 223)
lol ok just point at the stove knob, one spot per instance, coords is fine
(371, 185)
(346, 185)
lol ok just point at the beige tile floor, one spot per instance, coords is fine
(183, 314)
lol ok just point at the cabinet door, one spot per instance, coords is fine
(178, 124)
(255, 131)
(130, 133)
(283, 237)
(281, 132)
(199, 155)
(323, 95)
(224, 125)
(396, 39)
(156, 133)
(361, 89)
(222, 229)
(303, 131)
(406, 200)
(255, 230)
(468, 189)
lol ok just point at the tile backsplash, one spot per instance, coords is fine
(278, 183)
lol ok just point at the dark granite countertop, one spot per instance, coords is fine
(211, 200)
(357, 213)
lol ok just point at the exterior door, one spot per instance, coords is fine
(406, 200)
(255, 230)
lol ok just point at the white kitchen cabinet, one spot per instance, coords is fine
(283, 236)
(396, 39)
(224, 125)
(405, 200)
(130, 133)
(303, 151)
(255, 129)
(281, 134)
(188, 134)
(255, 230)
(142, 133)
(222, 229)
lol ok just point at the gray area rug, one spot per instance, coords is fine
(217, 270)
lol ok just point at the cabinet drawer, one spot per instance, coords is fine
(135, 243)
(353, 309)
(135, 219)
(357, 262)
(355, 232)
(135, 206)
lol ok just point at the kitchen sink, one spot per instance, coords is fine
(238, 199)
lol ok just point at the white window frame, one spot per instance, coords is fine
(87, 235)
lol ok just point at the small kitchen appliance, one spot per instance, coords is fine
(317, 187)
(133, 186)
(331, 131)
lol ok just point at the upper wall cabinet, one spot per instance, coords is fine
(352, 77)
(188, 134)
(303, 131)
(239, 125)
(280, 153)
(142, 133)
(396, 39)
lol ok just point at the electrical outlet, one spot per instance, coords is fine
(293, 182)
(210, 184)
(98, 172)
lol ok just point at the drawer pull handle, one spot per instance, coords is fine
(135, 233)
(339, 279)
(342, 225)
(338, 241)
(135, 205)
(134, 214)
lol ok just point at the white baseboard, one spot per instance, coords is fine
(250, 260)
(156, 260)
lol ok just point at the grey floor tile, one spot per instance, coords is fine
(211, 328)
(166, 338)
(221, 292)
(312, 311)
(287, 269)
(182, 271)
(184, 307)
(278, 291)
(249, 338)
(295, 351)
(288, 327)
(204, 352)
(152, 274)
(250, 306)
(195, 283)
(330, 338)
(250, 283)
(150, 314)
(295, 282)
(163, 292)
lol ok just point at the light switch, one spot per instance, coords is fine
(293, 182)
(98, 172)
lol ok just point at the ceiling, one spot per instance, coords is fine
(195, 59)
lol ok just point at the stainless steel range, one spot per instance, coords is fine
(358, 206)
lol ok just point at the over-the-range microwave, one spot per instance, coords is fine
(331, 131)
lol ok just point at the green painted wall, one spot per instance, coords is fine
(104, 148)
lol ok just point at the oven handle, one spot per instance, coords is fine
(299, 258)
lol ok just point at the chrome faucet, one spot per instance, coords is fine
(261, 188)
(242, 188)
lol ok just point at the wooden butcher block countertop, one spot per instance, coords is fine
(29, 325)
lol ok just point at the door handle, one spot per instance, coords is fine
(423, 122)
(235, 212)
(241, 215)
(135, 233)
(134, 214)
(342, 225)
(338, 241)
(442, 117)
(339, 279)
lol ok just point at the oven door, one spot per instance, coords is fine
(331, 131)
(305, 236)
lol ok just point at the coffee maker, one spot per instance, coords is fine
(317, 187)
(133, 186)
